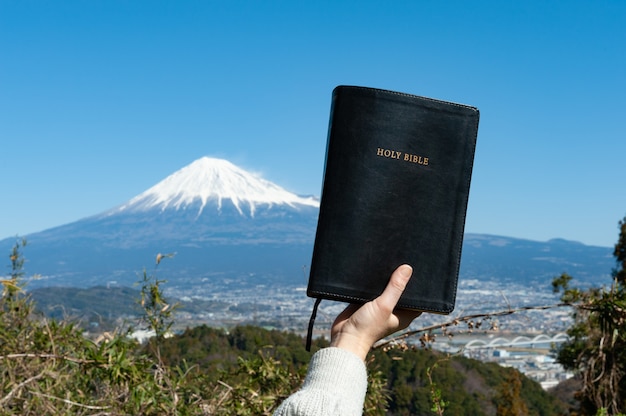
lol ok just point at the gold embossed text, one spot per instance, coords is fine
(394, 154)
(420, 160)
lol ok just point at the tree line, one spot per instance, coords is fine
(49, 366)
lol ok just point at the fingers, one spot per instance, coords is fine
(358, 327)
(397, 283)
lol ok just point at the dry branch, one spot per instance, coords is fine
(46, 356)
(466, 318)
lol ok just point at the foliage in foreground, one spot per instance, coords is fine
(48, 367)
(597, 349)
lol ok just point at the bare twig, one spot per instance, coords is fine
(466, 318)
(54, 356)
(227, 393)
(86, 406)
(19, 386)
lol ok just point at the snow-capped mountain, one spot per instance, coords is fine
(225, 223)
(216, 216)
(214, 180)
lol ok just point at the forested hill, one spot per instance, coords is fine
(468, 387)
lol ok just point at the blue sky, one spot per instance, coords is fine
(101, 99)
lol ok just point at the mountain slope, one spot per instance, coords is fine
(214, 215)
(208, 179)
(533, 263)
(209, 201)
(223, 221)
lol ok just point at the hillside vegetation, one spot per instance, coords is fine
(49, 367)
(409, 376)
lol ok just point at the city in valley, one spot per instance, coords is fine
(517, 325)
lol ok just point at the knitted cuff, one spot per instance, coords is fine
(341, 372)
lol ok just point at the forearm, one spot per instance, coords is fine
(335, 384)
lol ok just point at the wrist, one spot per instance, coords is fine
(352, 344)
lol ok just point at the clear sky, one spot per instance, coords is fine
(101, 99)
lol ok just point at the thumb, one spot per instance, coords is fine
(397, 283)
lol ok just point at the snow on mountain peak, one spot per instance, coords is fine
(210, 179)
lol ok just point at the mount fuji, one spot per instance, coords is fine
(217, 182)
(215, 216)
(228, 225)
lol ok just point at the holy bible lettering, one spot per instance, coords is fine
(394, 154)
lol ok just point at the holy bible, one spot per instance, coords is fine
(395, 190)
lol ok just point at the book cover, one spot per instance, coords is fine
(395, 190)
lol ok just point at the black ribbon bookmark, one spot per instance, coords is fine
(309, 334)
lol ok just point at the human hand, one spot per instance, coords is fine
(358, 327)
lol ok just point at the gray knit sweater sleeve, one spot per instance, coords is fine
(335, 384)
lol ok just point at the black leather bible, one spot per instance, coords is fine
(396, 186)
